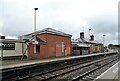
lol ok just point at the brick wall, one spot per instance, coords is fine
(49, 49)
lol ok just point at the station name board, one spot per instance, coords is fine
(7, 46)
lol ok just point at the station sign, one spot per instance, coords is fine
(7, 46)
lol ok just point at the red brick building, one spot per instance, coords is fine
(94, 46)
(51, 43)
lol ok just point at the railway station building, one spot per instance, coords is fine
(95, 46)
(88, 46)
(12, 48)
(51, 43)
(79, 47)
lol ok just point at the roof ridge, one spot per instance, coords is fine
(50, 31)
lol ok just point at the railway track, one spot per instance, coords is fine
(29, 71)
(92, 74)
(84, 72)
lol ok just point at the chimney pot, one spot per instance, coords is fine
(82, 35)
(92, 38)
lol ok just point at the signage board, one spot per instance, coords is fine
(7, 46)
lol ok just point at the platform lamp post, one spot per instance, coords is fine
(89, 38)
(35, 29)
(104, 40)
(1, 51)
(89, 32)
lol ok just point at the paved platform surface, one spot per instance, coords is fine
(111, 74)
(17, 63)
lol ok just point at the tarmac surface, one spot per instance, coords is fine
(16, 63)
(112, 73)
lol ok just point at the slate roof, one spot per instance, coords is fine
(12, 40)
(50, 31)
(85, 40)
(79, 42)
(40, 41)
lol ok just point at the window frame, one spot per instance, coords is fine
(37, 48)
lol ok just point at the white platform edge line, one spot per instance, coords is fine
(106, 71)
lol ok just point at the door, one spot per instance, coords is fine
(60, 49)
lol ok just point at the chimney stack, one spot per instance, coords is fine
(92, 38)
(82, 35)
(2, 37)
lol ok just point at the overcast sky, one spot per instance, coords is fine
(70, 16)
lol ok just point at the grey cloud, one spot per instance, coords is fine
(18, 20)
(104, 23)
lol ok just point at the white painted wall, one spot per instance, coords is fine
(16, 52)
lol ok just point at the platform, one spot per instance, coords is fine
(19, 63)
(112, 74)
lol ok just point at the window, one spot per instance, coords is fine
(74, 48)
(37, 48)
(78, 48)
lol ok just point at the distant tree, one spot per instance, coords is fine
(110, 45)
